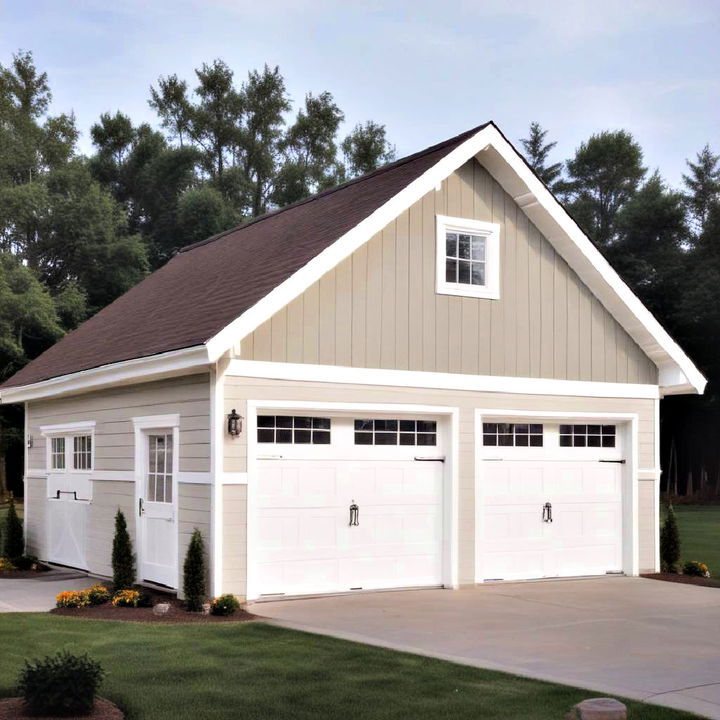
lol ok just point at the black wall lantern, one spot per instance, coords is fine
(234, 424)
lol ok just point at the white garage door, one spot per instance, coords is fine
(551, 500)
(348, 503)
(67, 530)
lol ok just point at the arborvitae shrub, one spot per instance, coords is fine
(669, 543)
(194, 573)
(61, 685)
(123, 559)
(13, 535)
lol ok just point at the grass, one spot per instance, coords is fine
(259, 672)
(699, 534)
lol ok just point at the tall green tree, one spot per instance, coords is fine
(702, 186)
(365, 149)
(537, 151)
(604, 174)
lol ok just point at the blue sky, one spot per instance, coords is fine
(427, 70)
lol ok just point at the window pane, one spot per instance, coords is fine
(536, 429)
(608, 441)
(478, 273)
(302, 437)
(363, 424)
(322, 423)
(363, 438)
(489, 440)
(386, 425)
(426, 426)
(283, 436)
(407, 438)
(490, 427)
(478, 247)
(464, 272)
(427, 439)
(408, 425)
(565, 441)
(593, 441)
(521, 440)
(536, 441)
(266, 436)
(451, 244)
(579, 441)
(283, 421)
(565, 429)
(168, 489)
(505, 440)
(321, 437)
(464, 246)
(266, 421)
(451, 271)
(302, 422)
(593, 429)
(386, 438)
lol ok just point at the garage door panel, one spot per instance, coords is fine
(67, 532)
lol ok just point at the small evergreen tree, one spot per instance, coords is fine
(194, 573)
(669, 543)
(123, 559)
(13, 535)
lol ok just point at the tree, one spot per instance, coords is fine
(13, 541)
(194, 573)
(366, 148)
(171, 103)
(702, 186)
(123, 558)
(669, 543)
(537, 152)
(310, 150)
(604, 174)
(202, 213)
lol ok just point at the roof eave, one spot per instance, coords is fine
(128, 372)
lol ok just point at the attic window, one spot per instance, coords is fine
(468, 258)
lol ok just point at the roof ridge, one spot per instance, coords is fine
(324, 193)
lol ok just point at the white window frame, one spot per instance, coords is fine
(491, 233)
(69, 431)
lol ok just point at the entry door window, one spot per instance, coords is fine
(160, 467)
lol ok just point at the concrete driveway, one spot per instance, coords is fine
(37, 594)
(645, 639)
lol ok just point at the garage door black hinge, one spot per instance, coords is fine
(430, 459)
(619, 462)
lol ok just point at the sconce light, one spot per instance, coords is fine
(234, 426)
(30, 442)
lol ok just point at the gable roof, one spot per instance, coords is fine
(213, 293)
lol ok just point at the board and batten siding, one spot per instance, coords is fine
(114, 435)
(379, 309)
(239, 390)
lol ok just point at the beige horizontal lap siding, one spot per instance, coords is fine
(378, 308)
(35, 516)
(239, 390)
(112, 410)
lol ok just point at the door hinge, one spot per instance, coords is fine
(430, 459)
(619, 462)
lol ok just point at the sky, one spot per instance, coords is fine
(426, 70)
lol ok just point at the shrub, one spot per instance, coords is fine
(5, 564)
(61, 684)
(123, 559)
(224, 605)
(13, 535)
(144, 601)
(696, 569)
(72, 599)
(669, 543)
(98, 594)
(26, 562)
(126, 598)
(194, 573)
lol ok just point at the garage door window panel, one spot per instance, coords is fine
(513, 434)
(293, 430)
(592, 436)
(395, 432)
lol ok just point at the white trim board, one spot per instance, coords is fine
(442, 381)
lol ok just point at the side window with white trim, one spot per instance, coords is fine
(82, 452)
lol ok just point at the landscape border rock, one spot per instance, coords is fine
(599, 709)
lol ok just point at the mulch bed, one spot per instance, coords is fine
(22, 574)
(176, 613)
(14, 709)
(684, 579)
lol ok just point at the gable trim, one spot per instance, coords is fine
(437, 380)
(677, 373)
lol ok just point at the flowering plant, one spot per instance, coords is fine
(98, 594)
(5, 564)
(72, 599)
(696, 569)
(126, 598)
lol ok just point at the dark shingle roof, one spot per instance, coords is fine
(209, 284)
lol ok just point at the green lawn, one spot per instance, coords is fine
(700, 534)
(259, 672)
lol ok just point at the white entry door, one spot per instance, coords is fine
(157, 509)
(331, 522)
(553, 509)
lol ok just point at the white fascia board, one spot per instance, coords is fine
(325, 261)
(443, 381)
(155, 367)
(538, 203)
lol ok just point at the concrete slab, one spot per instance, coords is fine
(645, 639)
(38, 594)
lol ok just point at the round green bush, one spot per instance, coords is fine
(61, 685)
(224, 605)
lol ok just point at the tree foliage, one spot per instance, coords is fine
(195, 573)
(670, 543)
(123, 557)
(537, 151)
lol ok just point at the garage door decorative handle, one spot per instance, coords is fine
(354, 514)
(547, 512)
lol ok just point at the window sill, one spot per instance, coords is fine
(469, 291)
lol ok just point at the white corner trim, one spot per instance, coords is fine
(152, 422)
(443, 381)
(491, 233)
(72, 428)
(542, 208)
(235, 478)
(155, 367)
